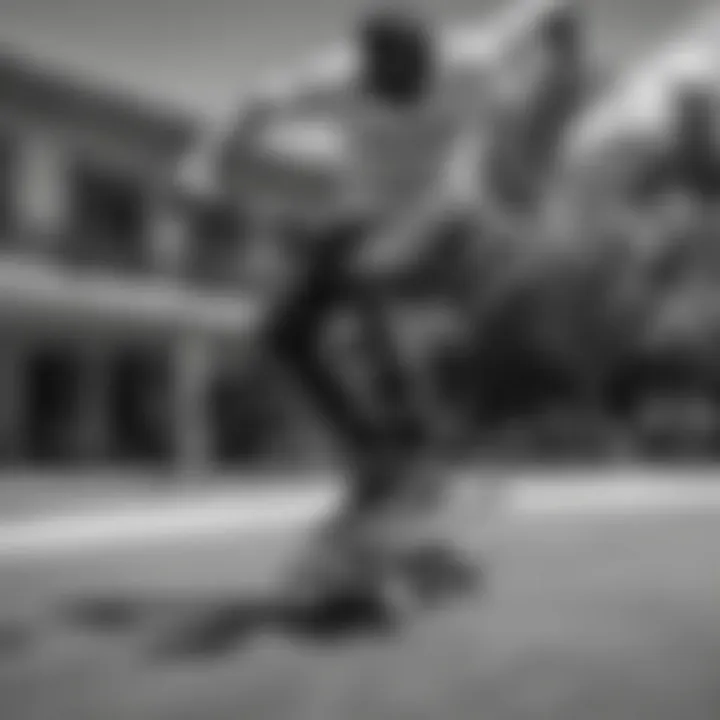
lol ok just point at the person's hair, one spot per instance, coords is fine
(562, 28)
(398, 57)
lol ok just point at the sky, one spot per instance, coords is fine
(204, 54)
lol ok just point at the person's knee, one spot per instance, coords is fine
(286, 338)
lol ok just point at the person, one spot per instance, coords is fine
(524, 154)
(408, 120)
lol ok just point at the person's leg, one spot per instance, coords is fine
(372, 433)
(386, 448)
(341, 554)
(437, 564)
(394, 382)
(408, 526)
(294, 334)
(295, 330)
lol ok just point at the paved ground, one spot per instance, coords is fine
(603, 602)
(42, 515)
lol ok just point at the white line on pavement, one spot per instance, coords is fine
(172, 521)
(243, 513)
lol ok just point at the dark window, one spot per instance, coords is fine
(108, 217)
(8, 184)
(52, 381)
(218, 235)
(140, 406)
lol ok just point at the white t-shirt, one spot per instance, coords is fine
(399, 154)
(338, 149)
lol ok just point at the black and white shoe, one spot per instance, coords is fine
(438, 572)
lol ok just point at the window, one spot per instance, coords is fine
(218, 236)
(8, 183)
(109, 217)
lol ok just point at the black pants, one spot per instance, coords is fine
(295, 332)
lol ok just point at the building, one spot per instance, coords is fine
(119, 291)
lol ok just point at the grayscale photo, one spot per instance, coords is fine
(359, 360)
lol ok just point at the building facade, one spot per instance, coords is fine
(123, 299)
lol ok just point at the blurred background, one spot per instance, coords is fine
(126, 294)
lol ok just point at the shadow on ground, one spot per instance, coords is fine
(186, 628)
(176, 629)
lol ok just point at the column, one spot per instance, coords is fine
(93, 427)
(264, 262)
(193, 365)
(169, 238)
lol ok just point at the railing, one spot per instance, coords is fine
(37, 281)
(204, 260)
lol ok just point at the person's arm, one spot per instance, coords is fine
(241, 140)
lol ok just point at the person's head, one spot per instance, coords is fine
(397, 56)
(561, 33)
